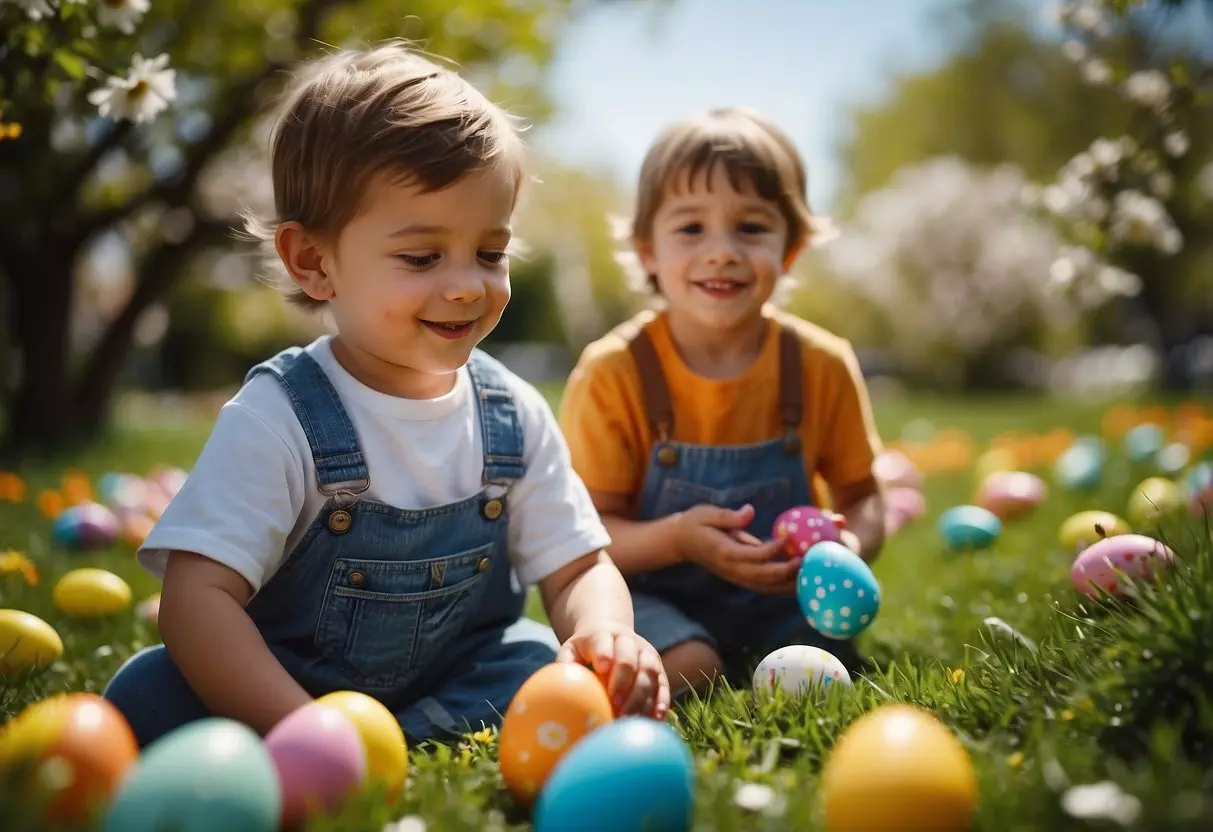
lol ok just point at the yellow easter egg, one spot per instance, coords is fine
(993, 461)
(26, 642)
(387, 756)
(1082, 529)
(898, 768)
(91, 592)
(1153, 497)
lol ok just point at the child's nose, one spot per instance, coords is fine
(464, 287)
(722, 249)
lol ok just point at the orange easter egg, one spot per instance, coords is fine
(558, 705)
(80, 746)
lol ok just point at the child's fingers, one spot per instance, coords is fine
(658, 702)
(755, 553)
(602, 653)
(623, 675)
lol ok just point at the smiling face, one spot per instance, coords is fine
(415, 280)
(716, 250)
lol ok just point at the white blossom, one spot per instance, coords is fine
(36, 9)
(1176, 144)
(1162, 184)
(1204, 181)
(1149, 88)
(122, 15)
(1096, 72)
(1075, 50)
(1140, 219)
(1101, 801)
(146, 90)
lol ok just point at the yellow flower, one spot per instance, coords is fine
(15, 563)
(1067, 715)
(1014, 759)
(957, 676)
(486, 737)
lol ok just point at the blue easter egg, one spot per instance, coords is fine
(1143, 442)
(1200, 477)
(631, 774)
(1080, 467)
(837, 591)
(211, 774)
(969, 527)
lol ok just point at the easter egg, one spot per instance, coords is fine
(993, 461)
(319, 757)
(1086, 527)
(210, 774)
(80, 747)
(1010, 494)
(1136, 555)
(122, 492)
(892, 468)
(149, 609)
(634, 773)
(898, 768)
(837, 591)
(26, 642)
(1153, 498)
(1080, 467)
(90, 593)
(1142, 443)
(1199, 487)
(803, 526)
(902, 506)
(387, 754)
(798, 669)
(167, 479)
(558, 705)
(1172, 458)
(969, 527)
(88, 525)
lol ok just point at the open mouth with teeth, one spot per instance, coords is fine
(722, 287)
(451, 330)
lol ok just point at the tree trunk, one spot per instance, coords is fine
(40, 418)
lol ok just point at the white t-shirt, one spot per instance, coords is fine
(252, 493)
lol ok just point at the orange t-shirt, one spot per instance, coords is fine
(604, 420)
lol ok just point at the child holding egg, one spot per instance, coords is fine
(369, 510)
(697, 424)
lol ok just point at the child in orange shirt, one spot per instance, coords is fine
(694, 426)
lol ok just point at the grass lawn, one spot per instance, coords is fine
(1061, 695)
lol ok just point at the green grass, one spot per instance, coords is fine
(1116, 692)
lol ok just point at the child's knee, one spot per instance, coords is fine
(691, 664)
(152, 695)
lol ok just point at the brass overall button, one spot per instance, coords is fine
(667, 456)
(340, 521)
(483, 564)
(493, 508)
(357, 578)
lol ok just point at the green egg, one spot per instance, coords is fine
(208, 775)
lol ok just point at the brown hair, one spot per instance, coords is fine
(352, 116)
(752, 151)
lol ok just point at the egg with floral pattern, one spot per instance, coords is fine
(799, 669)
(837, 591)
(558, 705)
(805, 526)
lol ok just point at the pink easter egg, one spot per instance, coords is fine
(804, 526)
(902, 506)
(892, 468)
(1136, 555)
(1010, 494)
(320, 758)
(167, 479)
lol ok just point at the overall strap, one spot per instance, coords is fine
(340, 464)
(658, 409)
(791, 388)
(500, 426)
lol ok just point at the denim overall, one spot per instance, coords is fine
(686, 602)
(418, 608)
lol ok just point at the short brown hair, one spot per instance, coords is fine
(352, 116)
(752, 151)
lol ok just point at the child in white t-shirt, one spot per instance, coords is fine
(369, 510)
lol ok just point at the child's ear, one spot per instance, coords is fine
(303, 255)
(644, 252)
(794, 251)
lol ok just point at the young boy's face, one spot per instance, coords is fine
(717, 252)
(419, 279)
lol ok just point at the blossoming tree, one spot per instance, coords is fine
(112, 114)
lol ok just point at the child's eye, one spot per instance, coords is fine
(753, 228)
(419, 261)
(691, 228)
(493, 257)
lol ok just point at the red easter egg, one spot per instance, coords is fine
(1136, 555)
(1010, 494)
(802, 527)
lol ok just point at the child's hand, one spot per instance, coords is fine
(715, 538)
(635, 676)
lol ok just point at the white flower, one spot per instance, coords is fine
(123, 15)
(1096, 72)
(1075, 50)
(1117, 281)
(1142, 220)
(1089, 17)
(1176, 144)
(36, 9)
(409, 823)
(1101, 801)
(1162, 184)
(146, 90)
(1148, 87)
(759, 798)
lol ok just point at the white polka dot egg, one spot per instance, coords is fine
(799, 669)
(837, 591)
(804, 526)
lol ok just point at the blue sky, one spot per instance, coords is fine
(626, 69)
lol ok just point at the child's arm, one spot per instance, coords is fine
(217, 647)
(864, 510)
(590, 608)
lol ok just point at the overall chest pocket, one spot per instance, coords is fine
(768, 496)
(384, 620)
